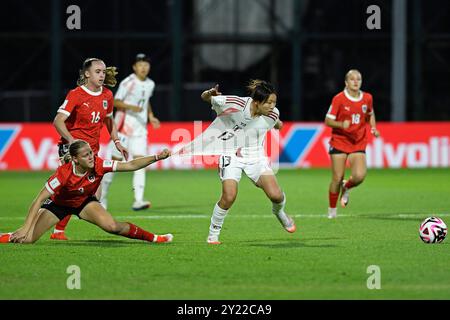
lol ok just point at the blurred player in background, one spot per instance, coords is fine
(84, 112)
(71, 190)
(132, 101)
(254, 115)
(350, 113)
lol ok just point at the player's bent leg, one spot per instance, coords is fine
(44, 223)
(268, 182)
(337, 175)
(94, 213)
(229, 193)
(359, 169)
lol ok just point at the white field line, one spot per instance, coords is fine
(254, 216)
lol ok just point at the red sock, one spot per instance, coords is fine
(138, 233)
(349, 184)
(61, 225)
(333, 198)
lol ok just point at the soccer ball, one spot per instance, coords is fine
(433, 230)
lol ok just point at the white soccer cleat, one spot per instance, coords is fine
(345, 193)
(141, 205)
(332, 213)
(287, 222)
(212, 239)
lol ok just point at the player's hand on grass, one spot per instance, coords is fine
(19, 235)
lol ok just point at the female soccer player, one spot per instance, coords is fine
(71, 190)
(132, 101)
(349, 114)
(254, 115)
(83, 113)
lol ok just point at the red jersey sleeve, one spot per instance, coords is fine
(55, 182)
(334, 108)
(105, 166)
(70, 103)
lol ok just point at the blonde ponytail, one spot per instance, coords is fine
(110, 77)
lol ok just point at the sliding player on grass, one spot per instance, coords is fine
(253, 116)
(350, 113)
(84, 112)
(71, 190)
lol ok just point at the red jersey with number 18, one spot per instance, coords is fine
(358, 112)
(86, 111)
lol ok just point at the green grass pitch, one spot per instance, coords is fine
(324, 259)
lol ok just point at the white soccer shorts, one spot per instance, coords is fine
(231, 167)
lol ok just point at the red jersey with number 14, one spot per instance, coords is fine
(86, 111)
(358, 112)
(69, 189)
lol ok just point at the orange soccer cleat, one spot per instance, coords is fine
(4, 238)
(58, 236)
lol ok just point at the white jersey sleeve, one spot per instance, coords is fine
(124, 88)
(228, 104)
(272, 117)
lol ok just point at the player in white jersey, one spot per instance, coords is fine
(132, 101)
(255, 116)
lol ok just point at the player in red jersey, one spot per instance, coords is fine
(83, 113)
(71, 190)
(350, 113)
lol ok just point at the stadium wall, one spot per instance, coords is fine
(33, 146)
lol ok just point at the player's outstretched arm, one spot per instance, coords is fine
(206, 95)
(142, 162)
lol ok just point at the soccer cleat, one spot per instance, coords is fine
(163, 238)
(345, 193)
(4, 238)
(58, 236)
(213, 240)
(287, 223)
(141, 205)
(332, 213)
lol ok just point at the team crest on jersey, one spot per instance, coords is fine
(364, 108)
(105, 104)
(81, 190)
(91, 178)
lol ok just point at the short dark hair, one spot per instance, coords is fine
(260, 90)
(141, 57)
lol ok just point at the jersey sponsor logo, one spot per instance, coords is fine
(347, 108)
(91, 178)
(364, 108)
(105, 104)
(85, 104)
(54, 183)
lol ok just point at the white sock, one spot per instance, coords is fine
(139, 184)
(217, 219)
(106, 183)
(278, 210)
